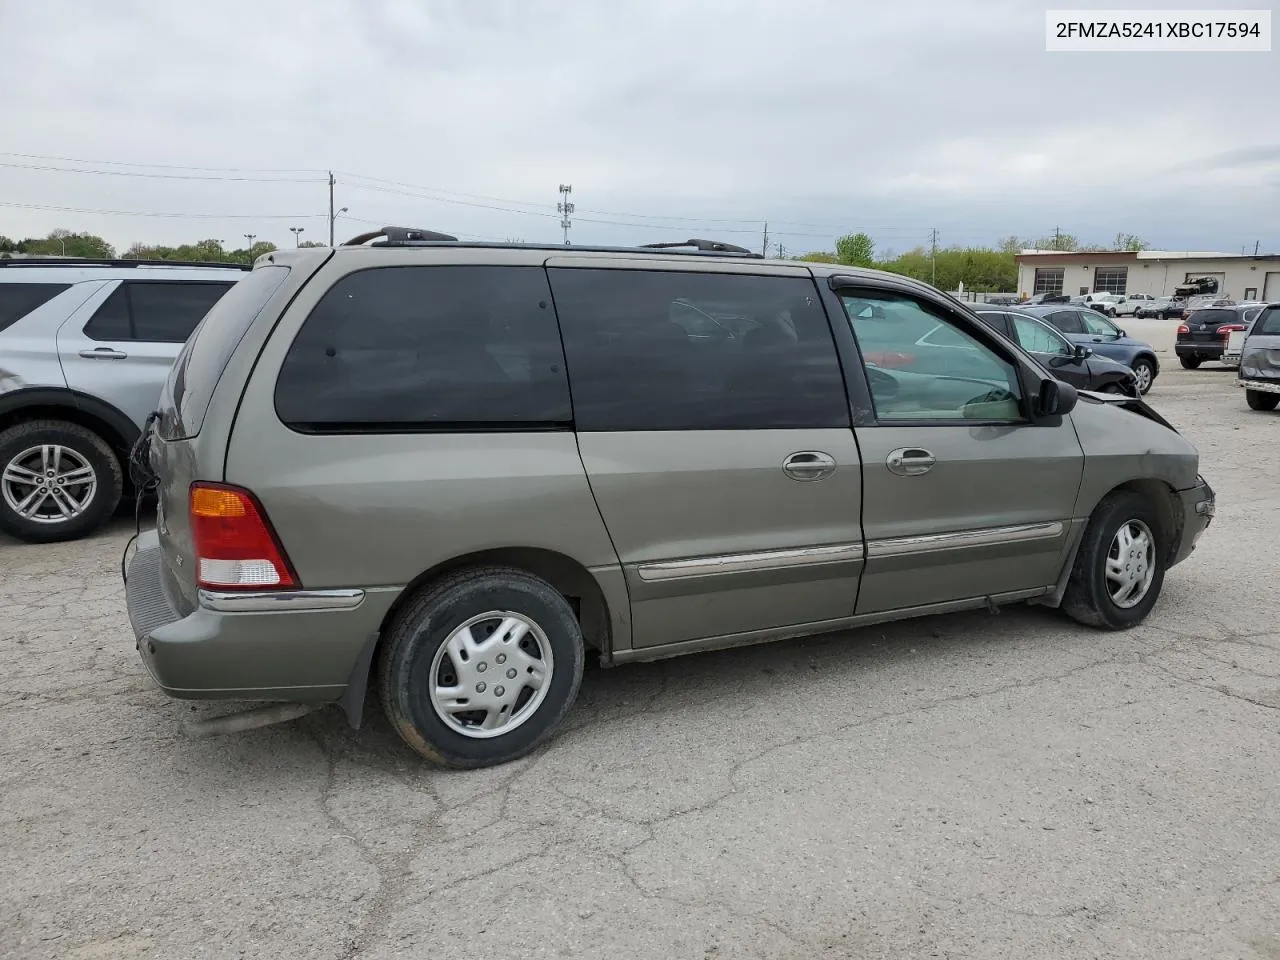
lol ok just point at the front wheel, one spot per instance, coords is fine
(1119, 568)
(1111, 313)
(481, 667)
(1145, 372)
(58, 481)
(1190, 363)
(1258, 400)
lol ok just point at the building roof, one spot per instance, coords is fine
(1130, 256)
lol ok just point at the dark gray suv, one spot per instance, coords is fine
(449, 470)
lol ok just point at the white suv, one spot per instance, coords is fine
(85, 346)
(1130, 305)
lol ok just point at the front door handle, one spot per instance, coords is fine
(809, 465)
(910, 461)
(104, 353)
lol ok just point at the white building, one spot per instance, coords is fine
(1156, 272)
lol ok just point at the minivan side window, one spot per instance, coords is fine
(916, 374)
(19, 299)
(154, 311)
(1268, 324)
(682, 350)
(428, 348)
(1068, 321)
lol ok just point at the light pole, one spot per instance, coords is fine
(297, 235)
(565, 209)
(250, 237)
(333, 217)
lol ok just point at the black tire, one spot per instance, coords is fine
(1258, 400)
(408, 651)
(1087, 598)
(1143, 364)
(1190, 363)
(87, 445)
(1111, 312)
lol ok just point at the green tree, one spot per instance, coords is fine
(62, 242)
(856, 250)
(317, 243)
(819, 256)
(1127, 241)
(1011, 244)
(1060, 241)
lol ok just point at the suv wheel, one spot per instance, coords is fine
(1258, 400)
(58, 481)
(1111, 312)
(481, 667)
(1145, 372)
(1190, 363)
(1119, 568)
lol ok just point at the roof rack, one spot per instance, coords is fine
(703, 246)
(103, 262)
(396, 235)
(415, 236)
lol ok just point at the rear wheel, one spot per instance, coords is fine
(1258, 400)
(1119, 568)
(1190, 363)
(1145, 372)
(481, 667)
(58, 481)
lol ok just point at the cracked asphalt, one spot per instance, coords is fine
(961, 786)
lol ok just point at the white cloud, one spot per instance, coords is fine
(820, 117)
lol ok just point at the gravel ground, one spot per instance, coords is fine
(962, 786)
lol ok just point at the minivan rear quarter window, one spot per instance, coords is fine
(19, 299)
(428, 348)
(199, 365)
(680, 350)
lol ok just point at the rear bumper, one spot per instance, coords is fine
(1199, 505)
(295, 647)
(1205, 350)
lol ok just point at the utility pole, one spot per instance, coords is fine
(250, 237)
(764, 244)
(1255, 247)
(782, 251)
(332, 216)
(1056, 238)
(933, 256)
(565, 208)
(297, 235)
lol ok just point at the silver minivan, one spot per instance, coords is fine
(449, 470)
(1259, 373)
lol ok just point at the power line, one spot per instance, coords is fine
(161, 166)
(153, 176)
(176, 216)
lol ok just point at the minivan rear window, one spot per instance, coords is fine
(196, 371)
(19, 299)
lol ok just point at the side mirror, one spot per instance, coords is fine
(1082, 351)
(1056, 398)
(1121, 333)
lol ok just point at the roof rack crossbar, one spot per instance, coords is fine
(396, 235)
(105, 262)
(704, 246)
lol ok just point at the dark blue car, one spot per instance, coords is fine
(1092, 329)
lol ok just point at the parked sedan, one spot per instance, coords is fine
(1162, 308)
(1130, 305)
(1074, 363)
(1089, 328)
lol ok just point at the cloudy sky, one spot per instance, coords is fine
(670, 119)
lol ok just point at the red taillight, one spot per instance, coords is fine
(236, 549)
(1183, 328)
(1228, 328)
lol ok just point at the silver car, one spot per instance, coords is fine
(1260, 360)
(85, 346)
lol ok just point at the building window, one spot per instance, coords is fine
(1110, 279)
(1251, 293)
(1049, 279)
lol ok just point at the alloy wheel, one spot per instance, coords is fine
(49, 483)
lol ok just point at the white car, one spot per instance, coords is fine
(1102, 302)
(1130, 305)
